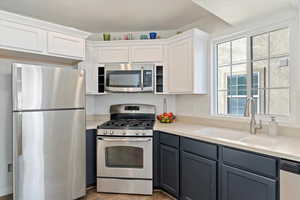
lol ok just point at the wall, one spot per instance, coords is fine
(6, 123)
(135, 35)
(102, 103)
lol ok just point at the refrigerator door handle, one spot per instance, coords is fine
(17, 87)
(20, 135)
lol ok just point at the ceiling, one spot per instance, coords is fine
(111, 15)
(236, 12)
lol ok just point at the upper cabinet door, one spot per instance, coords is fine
(113, 55)
(180, 67)
(22, 38)
(147, 53)
(90, 77)
(65, 45)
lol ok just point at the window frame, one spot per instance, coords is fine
(292, 25)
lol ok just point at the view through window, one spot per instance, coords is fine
(266, 67)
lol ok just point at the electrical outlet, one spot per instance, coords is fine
(10, 167)
(284, 62)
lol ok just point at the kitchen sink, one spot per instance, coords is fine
(260, 140)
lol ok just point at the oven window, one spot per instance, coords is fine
(123, 78)
(124, 157)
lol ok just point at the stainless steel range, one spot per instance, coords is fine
(124, 150)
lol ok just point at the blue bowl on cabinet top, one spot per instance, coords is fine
(153, 35)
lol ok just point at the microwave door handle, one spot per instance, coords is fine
(125, 140)
(142, 78)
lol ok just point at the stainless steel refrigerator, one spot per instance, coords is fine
(48, 132)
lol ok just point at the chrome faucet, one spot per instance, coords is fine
(250, 112)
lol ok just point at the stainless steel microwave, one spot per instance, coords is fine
(129, 78)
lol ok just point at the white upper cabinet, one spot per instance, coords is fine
(25, 34)
(90, 77)
(65, 45)
(187, 63)
(147, 53)
(16, 36)
(180, 68)
(113, 55)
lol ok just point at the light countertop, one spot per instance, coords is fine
(286, 147)
(92, 124)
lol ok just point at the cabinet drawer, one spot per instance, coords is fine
(260, 164)
(199, 148)
(168, 139)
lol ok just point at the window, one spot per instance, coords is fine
(256, 66)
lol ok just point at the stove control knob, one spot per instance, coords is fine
(124, 133)
(143, 134)
(111, 132)
(104, 132)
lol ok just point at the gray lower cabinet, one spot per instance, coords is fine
(169, 169)
(91, 157)
(198, 177)
(156, 160)
(190, 169)
(238, 184)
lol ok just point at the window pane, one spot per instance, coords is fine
(260, 101)
(223, 73)
(279, 101)
(239, 69)
(279, 73)
(222, 102)
(236, 105)
(224, 54)
(260, 74)
(239, 50)
(279, 42)
(260, 46)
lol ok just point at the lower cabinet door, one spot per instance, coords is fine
(169, 169)
(198, 177)
(156, 159)
(241, 185)
(91, 157)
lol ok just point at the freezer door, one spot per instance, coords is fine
(49, 155)
(44, 88)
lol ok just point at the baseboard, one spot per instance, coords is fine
(5, 191)
(165, 193)
(7, 197)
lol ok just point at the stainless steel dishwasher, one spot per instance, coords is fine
(289, 180)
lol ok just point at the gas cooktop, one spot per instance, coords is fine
(130, 124)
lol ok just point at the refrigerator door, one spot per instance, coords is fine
(45, 88)
(49, 155)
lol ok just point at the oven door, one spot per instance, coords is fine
(124, 157)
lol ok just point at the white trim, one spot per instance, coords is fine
(28, 21)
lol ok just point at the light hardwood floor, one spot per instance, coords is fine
(93, 195)
(157, 195)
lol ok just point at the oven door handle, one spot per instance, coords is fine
(124, 140)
